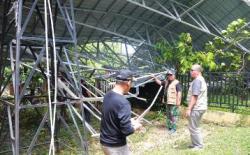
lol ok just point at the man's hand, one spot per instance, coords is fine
(132, 120)
(135, 124)
(188, 112)
(152, 76)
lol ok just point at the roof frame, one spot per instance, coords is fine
(177, 18)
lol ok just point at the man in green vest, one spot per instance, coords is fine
(197, 105)
(172, 99)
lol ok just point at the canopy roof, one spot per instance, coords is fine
(49, 42)
(136, 22)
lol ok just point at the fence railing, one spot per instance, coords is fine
(229, 90)
(226, 90)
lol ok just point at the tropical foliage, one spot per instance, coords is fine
(220, 54)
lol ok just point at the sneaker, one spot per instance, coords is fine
(172, 131)
(196, 148)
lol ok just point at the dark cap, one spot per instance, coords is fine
(124, 75)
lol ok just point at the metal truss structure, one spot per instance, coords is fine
(58, 40)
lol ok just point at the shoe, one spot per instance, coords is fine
(172, 131)
(196, 148)
(190, 146)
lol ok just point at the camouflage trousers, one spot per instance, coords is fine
(172, 116)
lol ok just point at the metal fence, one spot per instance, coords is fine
(225, 90)
(229, 90)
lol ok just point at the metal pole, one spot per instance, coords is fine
(37, 133)
(17, 72)
(11, 128)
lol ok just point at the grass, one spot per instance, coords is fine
(218, 140)
(238, 110)
(155, 140)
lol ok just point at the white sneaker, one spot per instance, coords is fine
(196, 148)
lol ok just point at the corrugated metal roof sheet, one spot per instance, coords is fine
(100, 19)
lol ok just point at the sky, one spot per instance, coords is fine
(131, 50)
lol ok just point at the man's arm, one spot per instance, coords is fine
(157, 80)
(196, 87)
(178, 94)
(178, 98)
(191, 104)
(124, 117)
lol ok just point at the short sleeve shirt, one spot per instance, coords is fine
(196, 87)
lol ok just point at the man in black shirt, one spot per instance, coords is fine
(116, 123)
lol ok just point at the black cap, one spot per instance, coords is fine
(124, 75)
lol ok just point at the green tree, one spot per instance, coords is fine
(220, 54)
(182, 55)
(227, 55)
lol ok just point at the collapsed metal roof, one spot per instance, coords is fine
(135, 20)
(138, 22)
(52, 37)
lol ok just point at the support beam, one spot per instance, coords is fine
(182, 14)
(175, 18)
(17, 75)
(168, 16)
